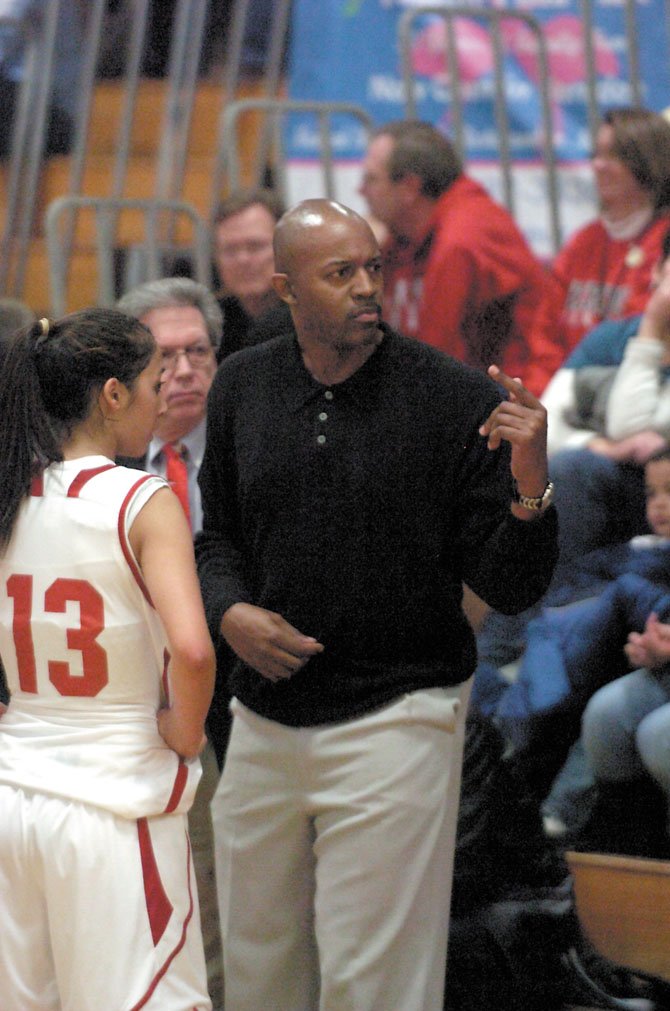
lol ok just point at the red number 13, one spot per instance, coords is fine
(82, 638)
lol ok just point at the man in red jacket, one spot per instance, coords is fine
(458, 272)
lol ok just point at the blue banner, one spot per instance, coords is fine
(348, 50)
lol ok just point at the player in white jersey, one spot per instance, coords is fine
(110, 669)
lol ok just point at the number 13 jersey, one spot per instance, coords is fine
(84, 650)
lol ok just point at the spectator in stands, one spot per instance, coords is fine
(242, 234)
(626, 724)
(612, 398)
(458, 272)
(186, 322)
(515, 941)
(609, 411)
(570, 652)
(604, 270)
(601, 432)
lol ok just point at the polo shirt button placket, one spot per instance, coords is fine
(322, 417)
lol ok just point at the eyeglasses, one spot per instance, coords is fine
(198, 355)
(252, 247)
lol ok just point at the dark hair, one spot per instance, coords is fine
(240, 200)
(642, 143)
(421, 150)
(52, 373)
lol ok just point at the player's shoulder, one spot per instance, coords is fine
(112, 483)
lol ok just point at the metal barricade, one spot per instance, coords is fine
(228, 170)
(592, 97)
(272, 71)
(494, 18)
(159, 219)
(185, 47)
(186, 43)
(28, 141)
(633, 53)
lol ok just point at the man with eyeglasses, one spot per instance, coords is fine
(242, 246)
(186, 321)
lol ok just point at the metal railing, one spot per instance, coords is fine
(494, 18)
(159, 219)
(27, 157)
(188, 40)
(27, 143)
(277, 112)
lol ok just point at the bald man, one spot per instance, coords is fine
(352, 480)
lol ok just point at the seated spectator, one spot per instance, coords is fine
(604, 270)
(599, 480)
(626, 730)
(571, 651)
(577, 395)
(458, 272)
(242, 231)
(609, 411)
(502, 639)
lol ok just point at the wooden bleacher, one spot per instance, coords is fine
(623, 904)
(141, 178)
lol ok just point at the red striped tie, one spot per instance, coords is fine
(177, 474)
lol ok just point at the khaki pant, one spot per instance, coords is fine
(334, 854)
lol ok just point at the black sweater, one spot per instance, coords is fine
(356, 512)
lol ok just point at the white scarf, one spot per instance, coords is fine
(628, 227)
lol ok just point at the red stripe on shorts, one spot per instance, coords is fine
(159, 906)
(182, 940)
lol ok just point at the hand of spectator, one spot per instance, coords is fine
(3, 708)
(602, 446)
(650, 648)
(634, 449)
(636, 651)
(266, 642)
(522, 421)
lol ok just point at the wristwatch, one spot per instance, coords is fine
(536, 503)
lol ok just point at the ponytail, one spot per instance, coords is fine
(50, 377)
